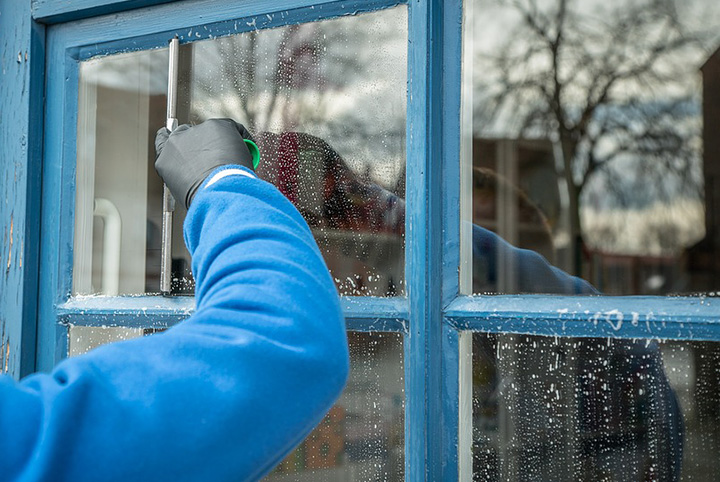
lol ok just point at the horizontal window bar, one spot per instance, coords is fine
(375, 314)
(361, 313)
(680, 318)
(126, 311)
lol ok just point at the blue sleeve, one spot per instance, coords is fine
(226, 394)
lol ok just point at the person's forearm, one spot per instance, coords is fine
(254, 255)
(222, 396)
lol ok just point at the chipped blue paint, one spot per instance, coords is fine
(21, 83)
(58, 193)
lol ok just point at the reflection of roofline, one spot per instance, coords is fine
(710, 58)
(521, 141)
(609, 255)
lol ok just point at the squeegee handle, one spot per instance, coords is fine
(168, 200)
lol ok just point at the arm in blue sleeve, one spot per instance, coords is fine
(533, 273)
(226, 394)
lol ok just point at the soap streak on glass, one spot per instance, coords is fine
(326, 103)
(566, 409)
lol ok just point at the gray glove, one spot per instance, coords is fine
(187, 155)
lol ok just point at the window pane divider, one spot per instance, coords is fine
(361, 313)
(686, 318)
(432, 348)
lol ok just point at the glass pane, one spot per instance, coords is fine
(360, 439)
(593, 146)
(326, 103)
(82, 339)
(121, 105)
(594, 409)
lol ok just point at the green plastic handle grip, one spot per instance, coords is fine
(253, 148)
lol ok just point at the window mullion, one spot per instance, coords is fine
(589, 316)
(361, 314)
(432, 257)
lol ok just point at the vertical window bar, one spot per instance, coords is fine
(465, 428)
(433, 236)
(58, 193)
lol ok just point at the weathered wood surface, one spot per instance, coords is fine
(21, 81)
(53, 11)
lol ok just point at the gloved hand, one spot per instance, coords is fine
(188, 155)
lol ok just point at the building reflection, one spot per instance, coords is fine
(703, 262)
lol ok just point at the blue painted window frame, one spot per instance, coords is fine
(435, 319)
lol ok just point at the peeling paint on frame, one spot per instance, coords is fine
(10, 244)
(22, 65)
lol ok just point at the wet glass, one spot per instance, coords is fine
(326, 104)
(554, 409)
(593, 146)
(82, 339)
(362, 436)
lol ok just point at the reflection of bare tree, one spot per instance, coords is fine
(606, 85)
(322, 78)
(281, 78)
(261, 87)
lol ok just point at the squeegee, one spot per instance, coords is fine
(171, 124)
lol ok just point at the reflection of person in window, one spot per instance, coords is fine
(628, 428)
(625, 417)
(224, 395)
